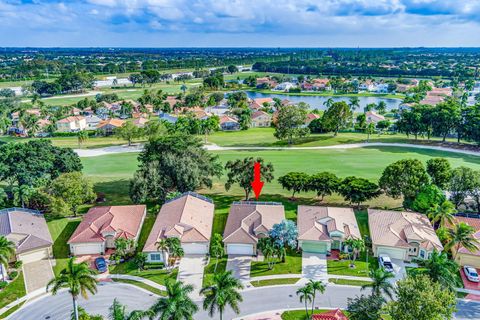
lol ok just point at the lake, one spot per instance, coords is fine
(316, 102)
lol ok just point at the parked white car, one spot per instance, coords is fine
(385, 262)
(471, 273)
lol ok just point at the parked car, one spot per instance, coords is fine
(471, 273)
(385, 262)
(101, 264)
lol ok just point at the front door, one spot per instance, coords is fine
(110, 242)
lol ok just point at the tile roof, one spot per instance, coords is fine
(188, 217)
(259, 113)
(245, 219)
(330, 315)
(316, 223)
(113, 122)
(26, 228)
(225, 118)
(126, 221)
(398, 228)
(71, 119)
(475, 223)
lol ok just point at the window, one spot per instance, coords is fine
(422, 254)
(155, 256)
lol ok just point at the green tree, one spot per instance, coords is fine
(475, 191)
(117, 311)
(241, 171)
(461, 183)
(462, 235)
(365, 307)
(440, 171)
(176, 305)
(369, 130)
(306, 295)
(314, 287)
(290, 123)
(336, 116)
(78, 278)
(404, 178)
(7, 250)
(222, 293)
(129, 132)
(74, 189)
(443, 213)
(440, 268)
(419, 298)
(82, 137)
(173, 163)
(324, 184)
(22, 195)
(140, 260)
(429, 197)
(357, 246)
(154, 129)
(295, 182)
(447, 117)
(357, 190)
(216, 248)
(354, 103)
(381, 282)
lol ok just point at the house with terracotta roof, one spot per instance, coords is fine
(260, 103)
(249, 221)
(188, 217)
(373, 117)
(321, 229)
(28, 230)
(402, 235)
(72, 124)
(330, 315)
(101, 226)
(464, 257)
(107, 127)
(261, 119)
(311, 117)
(228, 123)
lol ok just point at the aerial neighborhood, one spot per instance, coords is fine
(239, 184)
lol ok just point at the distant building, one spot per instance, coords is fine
(168, 118)
(284, 86)
(72, 124)
(228, 124)
(373, 117)
(107, 127)
(261, 119)
(92, 122)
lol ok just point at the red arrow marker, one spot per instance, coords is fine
(257, 185)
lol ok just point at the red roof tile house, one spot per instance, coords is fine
(247, 222)
(464, 256)
(261, 119)
(330, 315)
(101, 226)
(188, 217)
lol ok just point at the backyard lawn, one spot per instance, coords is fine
(15, 290)
(61, 230)
(292, 265)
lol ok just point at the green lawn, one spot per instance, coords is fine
(142, 285)
(362, 221)
(61, 230)
(11, 310)
(156, 275)
(209, 270)
(349, 282)
(15, 290)
(299, 314)
(292, 265)
(274, 282)
(145, 232)
(342, 267)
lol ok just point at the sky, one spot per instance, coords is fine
(240, 23)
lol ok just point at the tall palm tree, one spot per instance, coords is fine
(82, 137)
(224, 291)
(119, 312)
(442, 214)
(462, 235)
(441, 269)
(305, 294)
(183, 87)
(380, 283)
(316, 286)
(7, 250)
(354, 103)
(162, 246)
(78, 278)
(328, 103)
(177, 305)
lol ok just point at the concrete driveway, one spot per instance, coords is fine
(190, 271)
(37, 275)
(314, 266)
(399, 270)
(240, 266)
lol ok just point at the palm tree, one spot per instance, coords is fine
(357, 246)
(22, 194)
(443, 214)
(316, 286)
(82, 136)
(176, 305)
(380, 282)
(440, 269)
(183, 88)
(7, 250)
(306, 295)
(224, 291)
(78, 278)
(162, 246)
(462, 235)
(328, 103)
(354, 103)
(118, 312)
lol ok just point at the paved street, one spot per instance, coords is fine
(255, 301)
(240, 266)
(190, 271)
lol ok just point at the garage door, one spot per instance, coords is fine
(242, 249)
(392, 253)
(314, 247)
(34, 256)
(195, 248)
(87, 248)
(468, 260)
